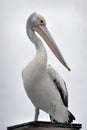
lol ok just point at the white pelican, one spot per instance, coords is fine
(43, 85)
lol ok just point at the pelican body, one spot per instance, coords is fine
(43, 85)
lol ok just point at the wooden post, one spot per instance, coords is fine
(39, 125)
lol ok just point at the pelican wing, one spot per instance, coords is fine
(59, 83)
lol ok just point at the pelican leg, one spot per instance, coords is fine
(36, 114)
(53, 112)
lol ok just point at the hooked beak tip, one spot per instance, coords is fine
(69, 69)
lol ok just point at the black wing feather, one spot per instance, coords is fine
(64, 99)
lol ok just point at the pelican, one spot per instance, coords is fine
(43, 85)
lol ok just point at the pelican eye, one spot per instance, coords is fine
(41, 21)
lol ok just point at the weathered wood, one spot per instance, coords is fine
(39, 125)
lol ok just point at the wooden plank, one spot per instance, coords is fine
(40, 125)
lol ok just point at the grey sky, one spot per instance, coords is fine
(67, 22)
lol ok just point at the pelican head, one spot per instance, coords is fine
(37, 23)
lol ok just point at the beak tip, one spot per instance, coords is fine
(69, 69)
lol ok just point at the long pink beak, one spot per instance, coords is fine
(43, 31)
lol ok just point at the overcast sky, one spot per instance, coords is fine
(67, 22)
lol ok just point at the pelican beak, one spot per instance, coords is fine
(44, 33)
